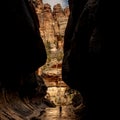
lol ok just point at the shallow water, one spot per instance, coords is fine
(59, 96)
(55, 114)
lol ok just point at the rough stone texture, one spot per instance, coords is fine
(47, 24)
(21, 95)
(59, 16)
(38, 4)
(52, 22)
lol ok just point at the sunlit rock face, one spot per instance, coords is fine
(47, 25)
(38, 5)
(52, 22)
(58, 11)
(67, 11)
(61, 18)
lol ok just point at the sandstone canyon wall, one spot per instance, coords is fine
(24, 101)
(52, 21)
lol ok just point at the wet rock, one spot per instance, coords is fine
(49, 103)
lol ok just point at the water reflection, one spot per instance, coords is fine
(55, 114)
(61, 96)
